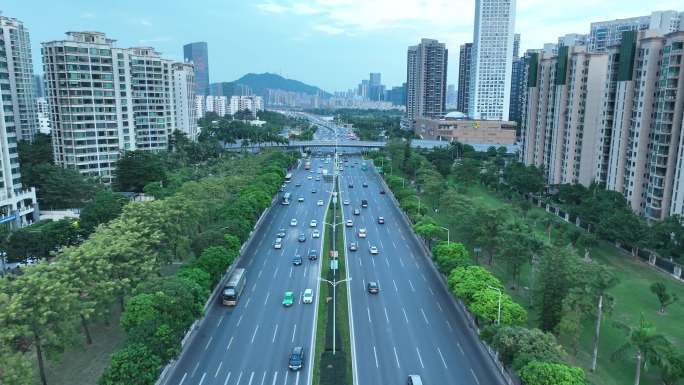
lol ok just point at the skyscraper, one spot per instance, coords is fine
(464, 65)
(451, 96)
(16, 86)
(376, 91)
(493, 40)
(517, 73)
(426, 72)
(38, 86)
(15, 50)
(198, 54)
(604, 34)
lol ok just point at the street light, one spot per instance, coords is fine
(447, 230)
(334, 285)
(498, 317)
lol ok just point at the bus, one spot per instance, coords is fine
(286, 198)
(307, 165)
(288, 177)
(233, 289)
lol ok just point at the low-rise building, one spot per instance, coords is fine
(457, 127)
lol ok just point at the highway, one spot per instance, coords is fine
(412, 326)
(250, 343)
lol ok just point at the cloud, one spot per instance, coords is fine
(158, 39)
(87, 15)
(329, 29)
(145, 22)
(272, 7)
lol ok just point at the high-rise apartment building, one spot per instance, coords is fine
(492, 59)
(426, 73)
(465, 60)
(605, 34)
(451, 96)
(38, 86)
(183, 93)
(517, 73)
(104, 100)
(16, 52)
(43, 112)
(198, 54)
(16, 203)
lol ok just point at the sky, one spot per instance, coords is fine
(332, 44)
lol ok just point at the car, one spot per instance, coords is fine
(362, 233)
(298, 184)
(353, 246)
(309, 177)
(350, 185)
(382, 192)
(301, 237)
(293, 222)
(281, 233)
(364, 203)
(373, 287)
(364, 184)
(282, 187)
(313, 223)
(308, 296)
(278, 244)
(288, 299)
(300, 199)
(296, 358)
(381, 220)
(374, 250)
(349, 223)
(315, 234)
(320, 202)
(313, 255)
(346, 202)
(297, 260)
(357, 212)
(313, 191)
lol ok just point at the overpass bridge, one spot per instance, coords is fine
(314, 144)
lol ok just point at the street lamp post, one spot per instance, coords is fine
(447, 230)
(498, 317)
(334, 286)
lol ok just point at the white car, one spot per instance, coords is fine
(293, 222)
(308, 296)
(320, 202)
(309, 177)
(346, 202)
(362, 233)
(315, 234)
(278, 243)
(313, 223)
(349, 223)
(374, 250)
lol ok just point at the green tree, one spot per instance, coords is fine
(427, 229)
(549, 373)
(644, 342)
(664, 297)
(487, 303)
(105, 206)
(554, 280)
(133, 365)
(16, 368)
(61, 188)
(671, 365)
(32, 154)
(518, 245)
(465, 282)
(518, 346)
(137, 168)
(486, 226)
(449, 256)
(214, 260)
(467, 171)
(41, 239)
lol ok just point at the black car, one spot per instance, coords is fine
(281, 233)
(350, 185)
(373, 287)
(364, 184)
(364, 203)
(313, 254)
(381, 220)
(296, 358)
(301, 237)
(382, 192)
(297, 260)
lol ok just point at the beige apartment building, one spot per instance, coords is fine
(495, 133)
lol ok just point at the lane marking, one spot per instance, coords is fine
(359, 259)
(369, 318)
(239, 320)
(267, 295)
(423, 275)
(411, 284)
(259, 275)
(442, 357)
(221, 320)
(449, 325)
(239, 378)
(424, 316)
(287, 373)
(474, 376)
(227, 379)
(460, 347)
(263, 378)
(440, 307)
(401, 262)
(183, 379)
(247, 303)
(387, 262)
(394, 244)
(251, 377)
(208, 342)
(202, 379)
(275, 332)
(432, 292)
(297, 379)
(375, 353)
(195, 370)
(275, 378)
(254, 288)
(275, 272)
(395, 286)
(257, 328)
(373, 260)
(293, 332)
(405, 317)
(386, 317)
(396, 357)
(229, 343)
(291, 268)
(218, 369)
(420, 358)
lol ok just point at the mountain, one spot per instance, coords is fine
(259, 83)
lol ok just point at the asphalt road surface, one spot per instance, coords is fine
(249, 344)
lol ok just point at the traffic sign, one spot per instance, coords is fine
(333, 264)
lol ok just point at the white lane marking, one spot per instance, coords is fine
(394, 244)
(202, 379)
(411, 284)
(432, 292)
(291, 271)
(254, 288)
(229, 343)
(440, 307)
(474, 376)
(442, 357)
(286, 375)
(449, 325)
(293, 332)
(251, 377)
(227, 379)
(401, 262)
(373, 260)
(369, 318)
(239, 378)
(359, 259)
(208, 342)
(275, 378)
(424, 317)
(375, 353)
(381, 245)
(395, 286)
(417, 266)
(267, 295)
(405, 317)
(195, 370)
(183, 379)
(423, 275)
(257, 328)
(264, 264)
(387, 262)
(259, 275)
(263, 378)
(221, 320)
(247, 303)
(396, 357)
(386, 316)
(275, 332)
(297, 379)
(460, 348)
(306, 268)
(239, 320)
(275, 272)
(420, 358)
(218, 369)
(402, 237)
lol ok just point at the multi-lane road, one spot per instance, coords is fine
(249, 344)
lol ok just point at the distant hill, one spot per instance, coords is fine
(259, 83)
